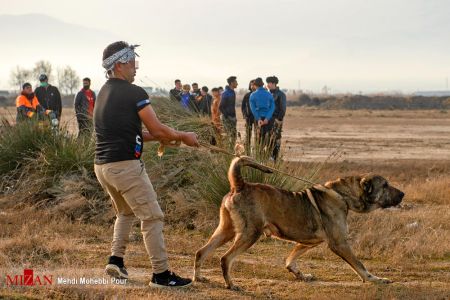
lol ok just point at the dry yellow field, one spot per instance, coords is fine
(408, 244)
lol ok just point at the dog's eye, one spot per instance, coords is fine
(385, 185)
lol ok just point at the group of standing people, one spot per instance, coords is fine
(45, 102)
(263, 108)
(195, 99)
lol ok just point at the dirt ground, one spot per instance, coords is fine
(367, 135)
(409, 245)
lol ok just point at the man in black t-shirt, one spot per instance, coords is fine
(119, 112)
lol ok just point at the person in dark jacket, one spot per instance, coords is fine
(49, 96)
(175, 93)
(278, 115)
(84, 107)
(196, 97)
(262, 106)
(247, 114)
(228, 110)
(205, 102)
(196, 92)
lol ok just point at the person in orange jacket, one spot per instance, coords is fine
(215, 117)
(27, 104)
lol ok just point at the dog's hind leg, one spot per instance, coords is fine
(223, 233)
(291, 263)
(242, 242)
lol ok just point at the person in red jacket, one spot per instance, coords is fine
(27, 104)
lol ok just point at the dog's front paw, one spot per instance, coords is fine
(308, 277)
(303, 277)
(375, 279)
(384, 280)
(234, 288)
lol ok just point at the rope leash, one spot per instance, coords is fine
(218, 149)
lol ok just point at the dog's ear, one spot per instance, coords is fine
(366, 184)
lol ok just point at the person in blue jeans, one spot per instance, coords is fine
(262, 106)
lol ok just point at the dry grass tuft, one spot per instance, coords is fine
(432, 190)
(398, 235)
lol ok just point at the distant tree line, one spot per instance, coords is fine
(68, 79)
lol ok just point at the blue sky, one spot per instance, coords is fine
(348, 45)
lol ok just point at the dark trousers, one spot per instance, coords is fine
(248, 135)
(85, 127)
(276, 132)
(265, 132)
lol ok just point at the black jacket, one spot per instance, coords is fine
(280, 104)
(49, 98)
(246, 111)
(205, 104)
(227, 103)
(175, 95)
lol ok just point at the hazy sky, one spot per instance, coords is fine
(348, 45)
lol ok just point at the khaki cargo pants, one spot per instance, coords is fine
(132, 196)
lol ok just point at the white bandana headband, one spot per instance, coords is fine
(123, 56)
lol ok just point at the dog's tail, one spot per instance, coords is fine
(234, 173)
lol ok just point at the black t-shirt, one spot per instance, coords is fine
(118, 128)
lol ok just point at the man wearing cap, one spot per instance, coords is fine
(120, 109)
(278, 115)
(27, 104)
(84, 107)
(49, 96)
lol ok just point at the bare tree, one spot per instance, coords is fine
(60, 78)
(68, 79)
(43, 67)
(19, 76)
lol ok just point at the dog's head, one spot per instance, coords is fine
(366, 193)
(377, 192)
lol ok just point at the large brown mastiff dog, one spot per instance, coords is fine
(309, 217)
